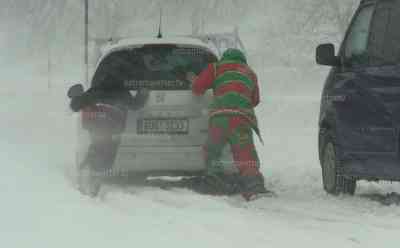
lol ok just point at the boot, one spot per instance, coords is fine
(253, 187)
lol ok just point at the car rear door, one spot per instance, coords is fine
(167, 132)
(172, 116)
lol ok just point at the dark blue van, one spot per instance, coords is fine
(359, 122)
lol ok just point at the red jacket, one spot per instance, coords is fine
(207, 77)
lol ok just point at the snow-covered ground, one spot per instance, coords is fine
(39, 206)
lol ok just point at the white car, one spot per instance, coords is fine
(165, 135)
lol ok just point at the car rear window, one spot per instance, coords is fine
(156, 67)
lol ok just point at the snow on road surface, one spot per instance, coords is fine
(41, 208)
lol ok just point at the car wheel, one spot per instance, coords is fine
(334, 181)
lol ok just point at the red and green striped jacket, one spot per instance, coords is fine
(235, 86)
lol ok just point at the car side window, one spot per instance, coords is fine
(355, 51)
(384, 47)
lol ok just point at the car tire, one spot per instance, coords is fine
(334, 180)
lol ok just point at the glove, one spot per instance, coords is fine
(191, 77)
(137, 102)
(143, 93)
(76, 103)
(84, 100)
(179, 72)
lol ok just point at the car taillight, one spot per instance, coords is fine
(103, 117)
(93, 113)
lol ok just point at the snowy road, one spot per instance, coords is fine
(40, 207)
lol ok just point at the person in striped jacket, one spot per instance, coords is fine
(232, 120)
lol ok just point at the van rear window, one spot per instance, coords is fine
(156, 67)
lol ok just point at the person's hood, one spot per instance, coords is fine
(234, 55)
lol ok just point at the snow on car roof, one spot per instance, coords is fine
(137, 42)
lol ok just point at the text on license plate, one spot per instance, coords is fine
(163, 126)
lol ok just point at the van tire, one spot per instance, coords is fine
(334, 180)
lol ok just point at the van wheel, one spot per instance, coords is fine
(334, 181)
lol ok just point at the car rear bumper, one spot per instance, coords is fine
(152, 159)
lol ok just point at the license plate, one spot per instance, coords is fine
(163, 126)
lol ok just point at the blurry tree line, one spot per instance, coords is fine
(43, 24)
(315, 21)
